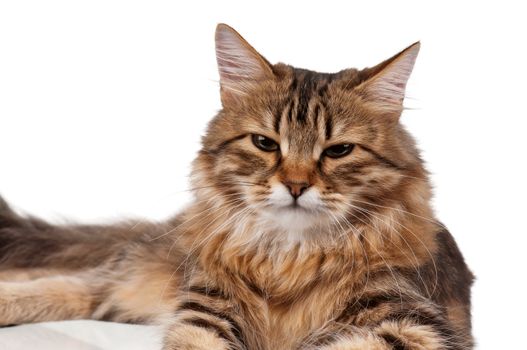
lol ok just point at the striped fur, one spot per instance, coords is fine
(281, 249)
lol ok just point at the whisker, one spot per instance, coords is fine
(390, 269)
(403, 211)
(416, 264)
(196, 215)
(210, 235)
(191, 250)
(436, 273)
(236, 201)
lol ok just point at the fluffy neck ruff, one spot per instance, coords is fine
(230, 243)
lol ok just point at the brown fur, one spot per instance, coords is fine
(373, 270)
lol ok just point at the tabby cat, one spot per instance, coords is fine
(311, 228)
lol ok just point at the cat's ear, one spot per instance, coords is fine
(240, 66)
(386, 85)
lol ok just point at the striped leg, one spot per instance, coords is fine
(385, 322)
(204, 320)
(392, 335)
(357, 340)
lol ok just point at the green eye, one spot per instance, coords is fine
(339, 151)
(264, 143)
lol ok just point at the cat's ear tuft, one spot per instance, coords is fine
(386, 86)
(240, 66)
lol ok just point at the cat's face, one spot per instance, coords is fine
(299, 150)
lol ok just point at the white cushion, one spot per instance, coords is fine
(81, 335)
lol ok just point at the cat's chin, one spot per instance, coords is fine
(293, 218)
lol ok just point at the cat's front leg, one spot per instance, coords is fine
(390, 336)
(389, 322)
(204, 320)
(195, 336)
(393, 335)
(357, 341)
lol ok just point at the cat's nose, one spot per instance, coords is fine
(296, 188)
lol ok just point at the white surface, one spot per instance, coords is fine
(102, 104)
(80, 335)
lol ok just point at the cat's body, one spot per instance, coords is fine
(318, 235)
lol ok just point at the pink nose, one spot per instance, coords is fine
(296, 188)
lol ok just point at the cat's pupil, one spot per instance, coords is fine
(267, 142)
(339, 150)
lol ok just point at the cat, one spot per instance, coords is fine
(311, 228)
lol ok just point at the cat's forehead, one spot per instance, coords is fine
(312, 107)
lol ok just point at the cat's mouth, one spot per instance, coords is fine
(292, 217)
(289, 213)
(296, 207)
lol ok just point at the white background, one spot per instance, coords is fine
(102, 104)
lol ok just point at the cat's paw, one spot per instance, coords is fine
(188, 337)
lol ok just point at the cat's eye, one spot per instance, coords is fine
(264, 143)
(338, 151)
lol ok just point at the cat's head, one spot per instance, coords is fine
(297, 149)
